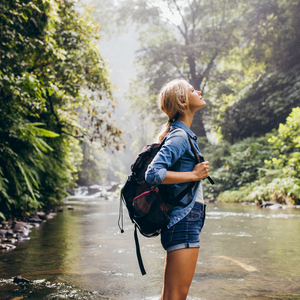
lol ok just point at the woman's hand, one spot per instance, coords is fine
(201, 170)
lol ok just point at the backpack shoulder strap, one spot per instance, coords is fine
(199, 158)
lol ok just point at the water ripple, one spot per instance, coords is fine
(215, 214)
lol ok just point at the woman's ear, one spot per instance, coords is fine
(183, 102)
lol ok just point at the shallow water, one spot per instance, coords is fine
(246, 253)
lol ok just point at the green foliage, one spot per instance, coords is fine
(286, 145)
(259, 92)
(53, 76)
(263, 169)
(236, 165)
(267, 104)
(283, 190)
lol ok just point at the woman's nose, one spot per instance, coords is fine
(199, 93)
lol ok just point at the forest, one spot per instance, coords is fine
(57, 98)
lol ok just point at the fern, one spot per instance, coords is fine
(26, 179)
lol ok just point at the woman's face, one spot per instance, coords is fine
(196, 101)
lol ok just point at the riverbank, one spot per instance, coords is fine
(270, 205)
(17, 229)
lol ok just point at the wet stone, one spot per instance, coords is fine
(51, 216)
(7, 247)
(21, 236)
(21, 280)
(11, 240)
(10, 232)
(18, 229)
(3, 232)
(34, 218)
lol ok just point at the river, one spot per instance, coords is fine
(246, 253)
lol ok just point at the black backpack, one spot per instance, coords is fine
(148, 206)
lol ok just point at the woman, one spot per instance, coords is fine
(175, 166)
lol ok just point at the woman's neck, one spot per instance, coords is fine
(187, 118)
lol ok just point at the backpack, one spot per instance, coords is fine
(148, 205)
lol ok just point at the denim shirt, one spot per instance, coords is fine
(175, 155)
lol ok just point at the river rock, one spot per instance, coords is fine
(5, 224)
(267, 204)
(10, 232)
(51, 215)
(7, 247)
(21, 280)
(42, 215)
(93, 190)
(113, 187)
(34, 218)
(3, 233)
(20, 226)
(22, 237)
(11, 240)
(276, 206)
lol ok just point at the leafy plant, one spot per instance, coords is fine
(54, 93)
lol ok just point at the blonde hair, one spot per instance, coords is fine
(170, 101)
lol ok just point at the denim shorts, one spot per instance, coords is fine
(185, 233)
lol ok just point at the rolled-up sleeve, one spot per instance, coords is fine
(155, 176)
(173, 148)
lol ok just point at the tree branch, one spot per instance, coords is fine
(182, 18)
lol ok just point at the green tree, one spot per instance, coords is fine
(252, 108)
(55, 92)
(183, 39)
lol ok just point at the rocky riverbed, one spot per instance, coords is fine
(17, 229)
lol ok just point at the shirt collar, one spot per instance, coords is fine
(179, 124)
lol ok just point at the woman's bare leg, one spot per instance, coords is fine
(179, 271)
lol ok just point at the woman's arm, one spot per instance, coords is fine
(200, 172)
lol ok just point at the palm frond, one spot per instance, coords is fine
(26, 179)
(38, 131)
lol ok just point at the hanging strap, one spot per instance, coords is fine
(121, 227)
(138, 251)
